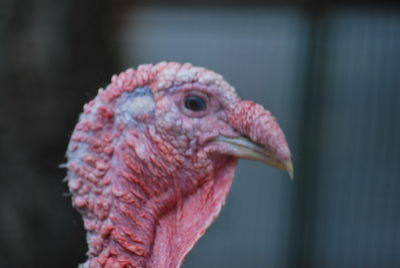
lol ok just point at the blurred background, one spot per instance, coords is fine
(328, 70)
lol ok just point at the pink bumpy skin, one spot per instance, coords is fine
(146, 172)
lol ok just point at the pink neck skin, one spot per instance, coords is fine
(153, 210)
(179, 229)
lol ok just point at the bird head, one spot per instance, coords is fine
(152, 159)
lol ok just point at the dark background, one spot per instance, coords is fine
(328, 70)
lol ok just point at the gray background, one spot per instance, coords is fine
(330, 74)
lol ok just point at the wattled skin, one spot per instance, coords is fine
(145, 169)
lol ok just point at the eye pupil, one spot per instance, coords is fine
(195, 103)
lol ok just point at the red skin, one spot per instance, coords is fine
(143, 170)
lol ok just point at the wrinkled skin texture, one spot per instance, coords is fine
(146, 172)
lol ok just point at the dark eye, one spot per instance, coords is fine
(195, 103)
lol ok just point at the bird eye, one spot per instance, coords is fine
(195, 103)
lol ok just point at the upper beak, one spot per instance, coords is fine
(242, 147)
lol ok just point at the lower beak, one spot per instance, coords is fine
(242, 147)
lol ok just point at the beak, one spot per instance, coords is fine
(244, 148)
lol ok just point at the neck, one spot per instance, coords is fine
(153, 218)
(179, 229)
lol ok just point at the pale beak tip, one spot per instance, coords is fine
(289, 168)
